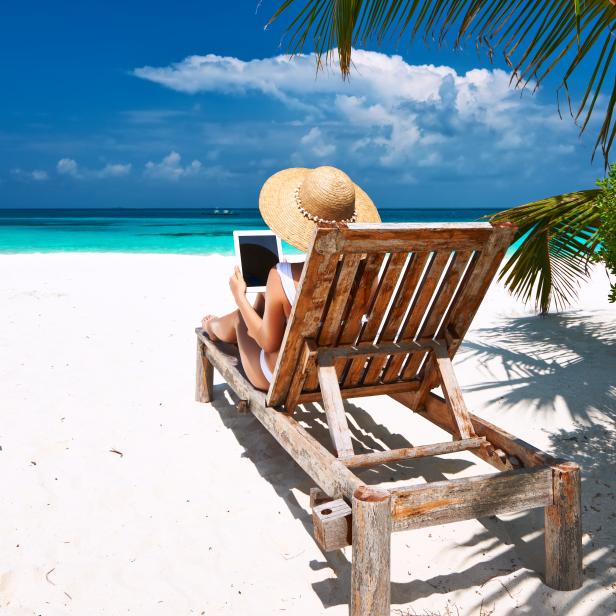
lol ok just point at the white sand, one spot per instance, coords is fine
(204, 513)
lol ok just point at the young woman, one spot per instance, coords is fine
(292, 203)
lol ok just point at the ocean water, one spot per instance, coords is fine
(178, 231)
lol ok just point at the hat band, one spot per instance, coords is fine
(313, 217)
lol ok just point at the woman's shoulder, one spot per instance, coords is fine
(285, 269)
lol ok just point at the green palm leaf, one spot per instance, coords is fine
(535, 37)
(556, 239)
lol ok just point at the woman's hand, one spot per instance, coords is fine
(237, 284)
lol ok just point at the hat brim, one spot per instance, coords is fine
(280, 212)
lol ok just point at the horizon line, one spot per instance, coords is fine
(201, 208)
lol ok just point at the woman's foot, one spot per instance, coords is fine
(206, 324)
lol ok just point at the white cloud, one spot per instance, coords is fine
(114, 170)
(70, 167)
(36, 175)
(283, 77)
(171, 168)
(315, 142)
(390, 113)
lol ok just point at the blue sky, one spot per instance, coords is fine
(190, 104)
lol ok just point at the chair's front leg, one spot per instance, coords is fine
(370, 575)
(563, 529)
(204, 386)
(334, 411)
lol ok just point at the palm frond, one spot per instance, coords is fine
(556, 239)
(535, 37)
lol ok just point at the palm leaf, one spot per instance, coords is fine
(556, 239)
(535, 36)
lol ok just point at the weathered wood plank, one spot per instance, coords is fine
(563, 530)
(421, 301)
(421, 451)
(448, 227)
(383, 295)
(325, 469)
(442, 299)
(334, 316)
(452, 500)
(435, 409)
(453, 394)
(335, 312)
(437, 412)
(445, 293)
(363, 295)
(477, 281)
(364, 390)
(400, 238)
(376, 314)
(334, 411)
(204, 386)
(332, 524)
(364, 349)
(306, 363)
(397, 311)
(305, 318)
(370, 571)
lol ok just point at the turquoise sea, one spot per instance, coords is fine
(179, 231)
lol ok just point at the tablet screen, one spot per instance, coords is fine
(258, 254)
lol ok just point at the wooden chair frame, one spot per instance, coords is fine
(323, 354)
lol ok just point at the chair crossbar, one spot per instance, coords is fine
(362, 349)
(407, 453)
(362, 391)
(453, 500)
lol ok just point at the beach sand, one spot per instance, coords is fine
(121, 495)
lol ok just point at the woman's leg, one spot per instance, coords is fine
(223, 328)
(250, 353)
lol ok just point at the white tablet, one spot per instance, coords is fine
(256, 253)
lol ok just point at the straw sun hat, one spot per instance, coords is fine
(293, 201)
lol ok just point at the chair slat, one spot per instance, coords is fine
(335, 311)
(398, 309)
(417, 311)
(305, 317)
(441, 301)
(477, 279)
(362, 298)
(377, 312)
(461, 313)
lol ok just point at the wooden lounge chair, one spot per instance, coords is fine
(419, 287)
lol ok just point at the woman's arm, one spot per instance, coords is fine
(268, 330)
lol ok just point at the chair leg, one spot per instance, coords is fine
(204, 387)
(334, 411)
(370, 573)
(563, 530)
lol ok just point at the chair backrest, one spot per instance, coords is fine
(384, 284)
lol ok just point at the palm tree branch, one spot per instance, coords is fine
(536, 37)
(556, 238)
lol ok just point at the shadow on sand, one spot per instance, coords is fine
(572, 343)
(284, 475)
(568, 358)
